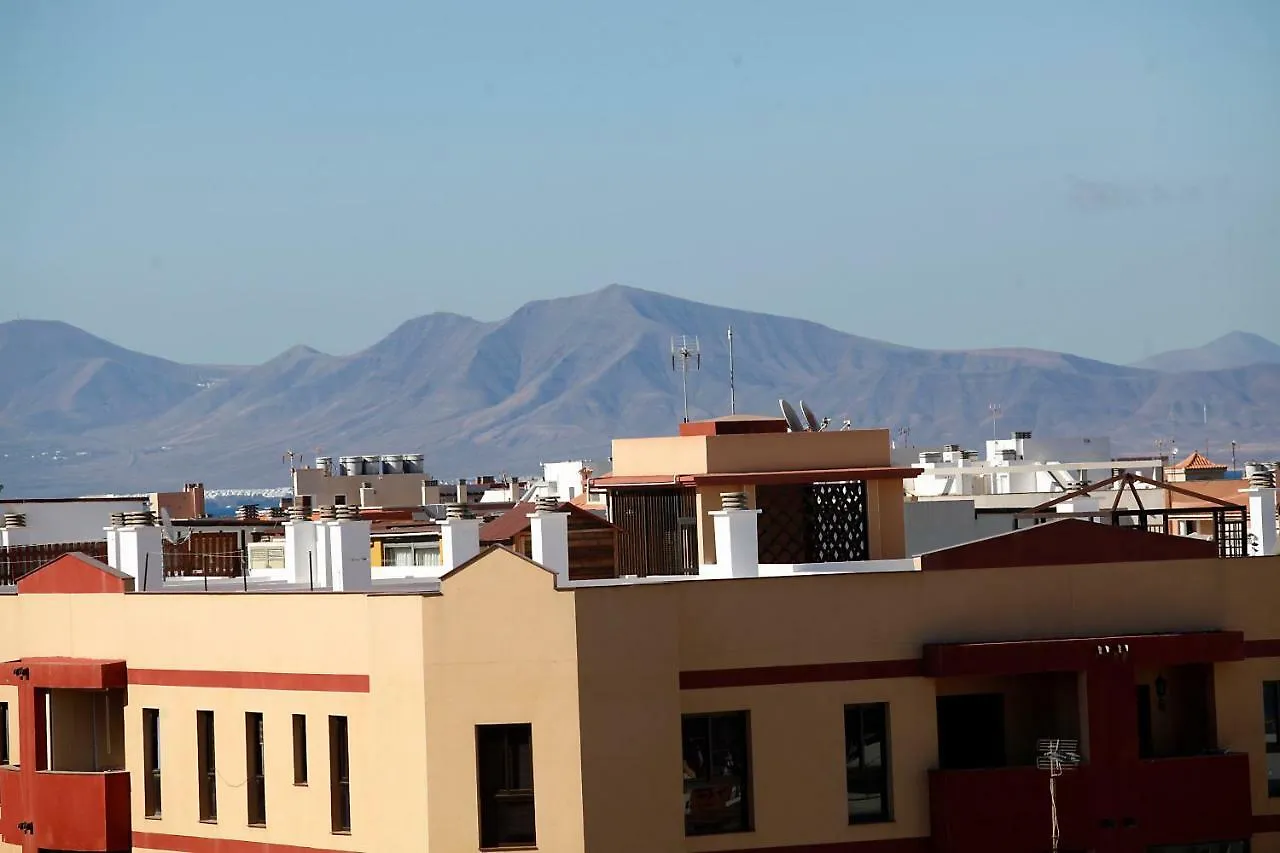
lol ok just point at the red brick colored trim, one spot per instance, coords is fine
(886, 845)
(1266, 823)
(1262, 648)
(196, 844)
(758, 676)
(251, 680)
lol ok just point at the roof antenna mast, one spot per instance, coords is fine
(684, 354)
(733, 403)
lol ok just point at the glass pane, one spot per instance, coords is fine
(866, 778)
(716, 775)
(1271, 712)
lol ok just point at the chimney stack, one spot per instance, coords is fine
(14, 530)
(139, 549)
(737, 546)
(462, 494)
(1262, 519)
(350, 569)
(300, 557)
(459, 536)
(550, 530)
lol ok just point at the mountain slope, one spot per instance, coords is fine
(1234, 349)
(561, 377)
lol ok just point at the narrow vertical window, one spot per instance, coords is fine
(866, 747)
(4, 732)
(255, 762)
(339, 776)
(717, 776)
(1271, 734)
(151, 762)
(504, 772)
(299, 749)
(207, 766)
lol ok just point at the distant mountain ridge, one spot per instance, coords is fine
(1234, 349)
(558, 378)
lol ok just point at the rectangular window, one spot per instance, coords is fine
(866, 747)
(208, 769)
(255, 762)
(151, 762)
(717, 776)
(504, 773)
(339, 775)
(4, 732)
(299, 749)
(1271, 732)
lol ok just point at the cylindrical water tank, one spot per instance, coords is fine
(372, 465)
(325, 464)
(413, 463)
(393, 463)
(349, 466)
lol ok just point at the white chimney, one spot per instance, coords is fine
(349, 555)
(324, 553)
(459, 538)
(462, 495)
(140, 554)
(737, 546)
(1262, 522)
(300, 557)
(14, 530)
(550, 536)
(368, 495)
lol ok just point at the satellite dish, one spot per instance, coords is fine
(171, 533)
(809, 417)
(794, 424)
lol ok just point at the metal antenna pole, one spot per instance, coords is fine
(683, 351)
(733, 403)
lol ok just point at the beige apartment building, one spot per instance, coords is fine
(871, 703)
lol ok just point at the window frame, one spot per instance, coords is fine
(4, 734)
(745, 812)
(339, 775)
(496, 800)
(206, 767)
(152, 785)
(255, 747)
(1271, 730)
(857, 713)
(300, 766)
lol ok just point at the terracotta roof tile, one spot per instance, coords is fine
(1197, 461)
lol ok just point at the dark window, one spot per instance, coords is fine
(299, 749)
(339, 500)
(866, 746)
(151, 762)
(504, 772)
(208, 768)
(255, 761)
(1271, 730)
(717, 778)
(339, 776)
(4, 732)
(971, 731)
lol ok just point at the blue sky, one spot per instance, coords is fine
(217, 182)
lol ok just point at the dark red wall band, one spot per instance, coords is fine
(250, 680)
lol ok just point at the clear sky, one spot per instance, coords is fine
(219, 181)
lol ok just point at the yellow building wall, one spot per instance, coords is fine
(796, 451)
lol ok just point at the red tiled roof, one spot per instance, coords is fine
(516, 520)
(1197, 460)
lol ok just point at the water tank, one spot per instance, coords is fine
(950, 448)
(372, 465)
(350, 466)
(413, 463)
(393, 463)
(325, 464)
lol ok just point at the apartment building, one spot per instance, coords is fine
(869, 703)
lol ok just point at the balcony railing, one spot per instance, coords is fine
(970, 808)
(81, 811)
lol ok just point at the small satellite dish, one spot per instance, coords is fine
(794, 424)
(171, 533)
(809, 417)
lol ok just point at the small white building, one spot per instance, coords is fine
(40, 521)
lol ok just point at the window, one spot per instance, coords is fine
(255, 760)
(1271, 732)
(866, 747)
(971, 731)
(151, 762)
(717, 778)
(208, 770)
(299, 749)
(339, 775)
(411, 554)
(4, 732)
(339, 500)
(504, 772)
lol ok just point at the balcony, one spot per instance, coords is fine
(82, 811)
(1200, 798)
(970, 808)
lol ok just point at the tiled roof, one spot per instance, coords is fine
(1197, 460)
(516, 520)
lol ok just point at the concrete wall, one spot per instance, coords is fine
(70, 520)
(931, 525)
(389, 490)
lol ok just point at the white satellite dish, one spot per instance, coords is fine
(171, 533)
(794, 424)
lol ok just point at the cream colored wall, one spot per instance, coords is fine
(797, 451)
(661, 455)
(885, 515)
(389, 490)
(500, 646)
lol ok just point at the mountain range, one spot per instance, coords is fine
(558, 379)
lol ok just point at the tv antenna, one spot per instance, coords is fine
(685, 353)
(1057, 755)
(288, 458)
(794, 424)
(733, 403)
(995, 409)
